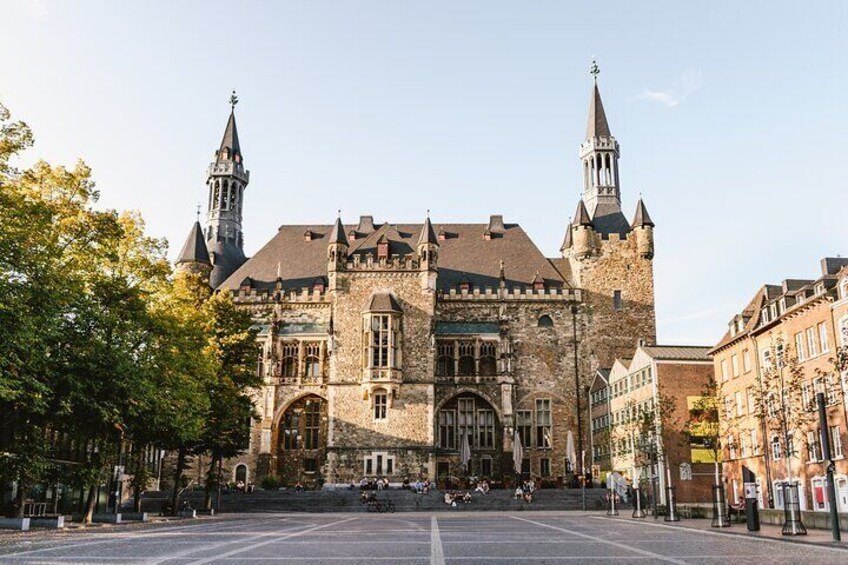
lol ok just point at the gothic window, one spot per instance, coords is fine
(466, 419)
(289, 362)
(381, 401)
(543, 423)
(524, 427)
(312, 414)
(485, 429)
(312, 366)
(233, 194)
(616, 300)
(216, 201)
(290, 430)
(447, 429)
(546, 322)
(488, 360)
(444, 364)
(466, 358)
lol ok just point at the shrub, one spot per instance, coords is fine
(270, 482)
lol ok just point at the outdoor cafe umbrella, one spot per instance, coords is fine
(570, 452)
(517, 453)
(465, 452)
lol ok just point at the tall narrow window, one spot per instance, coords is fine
(616, 300)
(835, 443)
(466, 358)
(524, 427)
(289, 362)
(825, 347)
(543, 423)
(445, 363)
(447, 429)
(746, 360)
(290, 430)
(485, 429)
(380, 340)
(799, 346)
(312, 414)
(488, 360)
(812, 342)
(313, 360)
(466, 419)
(381, 402)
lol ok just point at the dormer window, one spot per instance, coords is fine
(819, 288)
(764, 314)
(383, 249)
(307, 235)
(318, 285)
(351, 235)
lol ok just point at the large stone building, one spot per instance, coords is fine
(383, 344)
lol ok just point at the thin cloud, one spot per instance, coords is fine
(688, 83)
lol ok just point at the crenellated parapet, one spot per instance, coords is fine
(512, 294)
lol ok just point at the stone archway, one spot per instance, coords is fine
(470, 414)
(301, 445)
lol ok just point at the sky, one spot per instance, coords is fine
(731, 119)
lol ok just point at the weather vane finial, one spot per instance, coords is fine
(594, 70)
(233, 100)
(198, 211)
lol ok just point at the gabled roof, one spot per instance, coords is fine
(608, 219)
(751, 312)
(677, 352)
(597, 126)
(462, 254)
(194, 249)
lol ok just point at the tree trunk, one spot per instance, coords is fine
(178, 474)
(137, 500)
(89, 505)
(19, 501)
(207, 499)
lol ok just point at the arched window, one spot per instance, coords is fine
(289, 361)
(466, 358)
(241, 473)
(234, 188)
(312, 367)
(545, 321)
(444, 363)
(226, 201)
(488, 359)
(217, 197)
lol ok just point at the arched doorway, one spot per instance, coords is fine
(241, 473)
(473, 417)
(302, 442)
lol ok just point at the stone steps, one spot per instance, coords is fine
(404, 501)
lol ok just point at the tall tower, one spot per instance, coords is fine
(599, 154)
(226, 180)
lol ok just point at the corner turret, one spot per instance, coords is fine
(337, 248)
(194, 257)
(643, 227)
(582, 233)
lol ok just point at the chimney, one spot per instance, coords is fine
(366, 224)
(496, 224)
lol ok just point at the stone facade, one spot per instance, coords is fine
(385, 348)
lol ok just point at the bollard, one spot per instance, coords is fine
(637, 511)
(671, 506)
(611, 509)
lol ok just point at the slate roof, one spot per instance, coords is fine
(194, 248)
(642, 218)
(463, 255)
(677, 352)
(230, 140)
(608, 219)
(597, 126)
(581, 215)
(383, 302)
(227, 257)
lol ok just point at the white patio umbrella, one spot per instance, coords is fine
(517, 453)
(570, 452)
(465, 452)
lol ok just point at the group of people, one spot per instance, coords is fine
(483, 486)
(453, 496)
(525, 491)
(373, 484)
(419, 486)
(240, 486)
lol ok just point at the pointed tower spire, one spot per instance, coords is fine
(337, 235)
(194, 249)
(227, 181)
(642, 218)
(581, 216)
(568, 239)
(428, 234)
(599, 154)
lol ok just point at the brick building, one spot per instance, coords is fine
(799, 323)
(650, 399)
(382, 345)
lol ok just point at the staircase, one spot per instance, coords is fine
(404, 501)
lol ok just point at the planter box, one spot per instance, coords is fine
(134, 516)
(210, 512)
(52, 522)
(21, 524)
(187, 513)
